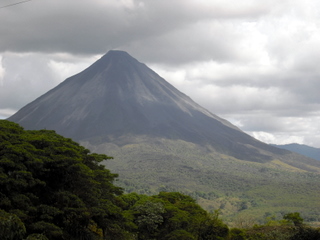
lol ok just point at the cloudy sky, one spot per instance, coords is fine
(255, 63)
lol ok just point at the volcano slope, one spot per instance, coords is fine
(161, 140)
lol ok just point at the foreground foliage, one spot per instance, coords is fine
(52, 188)
(172, 216)
(55, 186)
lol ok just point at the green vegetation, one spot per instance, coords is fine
(51, 185)
(52, 188)
(171, 216)
(239, 188)
(289, 228)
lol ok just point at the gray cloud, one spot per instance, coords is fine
(19, 84)
(26, 76)
(94, 27)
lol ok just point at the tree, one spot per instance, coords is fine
(148, 218)
(55, 186)
(180, 235)
(294, 218)
(237, 234)
(182, 213)
(11, 227)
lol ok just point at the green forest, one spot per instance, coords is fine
(53, 188)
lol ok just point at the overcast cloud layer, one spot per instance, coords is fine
(252, 62)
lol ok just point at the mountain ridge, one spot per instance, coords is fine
(302, 149)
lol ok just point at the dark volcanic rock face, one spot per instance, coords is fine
(119, 96)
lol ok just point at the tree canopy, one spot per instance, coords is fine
(55, 186)
(172, 215)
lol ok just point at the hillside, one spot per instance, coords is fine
(217, 181)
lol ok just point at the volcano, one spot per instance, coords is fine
(118, 98)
